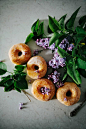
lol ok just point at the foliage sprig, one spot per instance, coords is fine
(15, 80)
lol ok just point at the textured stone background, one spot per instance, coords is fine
(16, 18)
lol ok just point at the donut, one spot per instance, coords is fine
(19, 53)
(43, 89)
(36, 67)
(68, 94)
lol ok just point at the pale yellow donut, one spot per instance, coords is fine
(43, 83)
(69, 94)
(19, 53)
(36, 67)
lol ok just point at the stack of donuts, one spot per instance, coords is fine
(43, 89)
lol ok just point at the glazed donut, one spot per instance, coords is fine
(43, 89)
(19, 53)
(69, 94)
(36, 67)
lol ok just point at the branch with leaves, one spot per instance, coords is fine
(15, 80)
(76, 60)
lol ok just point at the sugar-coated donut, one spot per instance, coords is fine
(69, 94)
(19, 53)
(36, 67)
(43, 89)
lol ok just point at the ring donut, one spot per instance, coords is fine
(43, 89)
(19, 53)
(36, 67)
(69, 94)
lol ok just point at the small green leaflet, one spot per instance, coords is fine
(41, 29)
(53, 24)
(64, 77)
(15, 81)
(61, 21)
(80, 30)
(81, 63)
(70, 22)
(35, 26)
(4, 80)
(3, 68)
(21, 84)
(82, 72)
(29, 37)
(63, 54)
(54, 37)
(82, 21)
(73, 73)
(20, 67)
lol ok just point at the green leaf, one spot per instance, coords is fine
(82, 21)
(63, 53)
(59, 40)
(9, 82)
(61, 21)
(70, 22)
(49, 30)
(8, 88)
(79, 38)
(82, 72)
(72, 72)
(4, 79)
(29, 37)
(81, 63)
(17, 89)
(3, 68)
(53, 38)
(53, 24)
(35, 26)
(20, 67)
(41, 29)
(64, 77)
(80, 30)
(21, 84)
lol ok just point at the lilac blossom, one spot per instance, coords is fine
(57, 61)
(45, 90)
(36, 52)
(55, 77)
(64, 44)
(70, 47)
(45, 43)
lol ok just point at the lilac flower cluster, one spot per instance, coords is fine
(45, 43)
(55, 78)
(36, 52)
(65, 45)
(45, 90)
(57, 61)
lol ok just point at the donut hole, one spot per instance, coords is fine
(19, 53)
(36, 67)
(69, 93)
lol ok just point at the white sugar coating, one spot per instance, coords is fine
(35, 60)
(23, 52)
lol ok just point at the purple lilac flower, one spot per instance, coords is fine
(59, 84)
(57, 61)
(45, 90)
(55, 77)
(45, 43)
(64, 43)
(70, 47)
(36, 52)
(65, 99)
